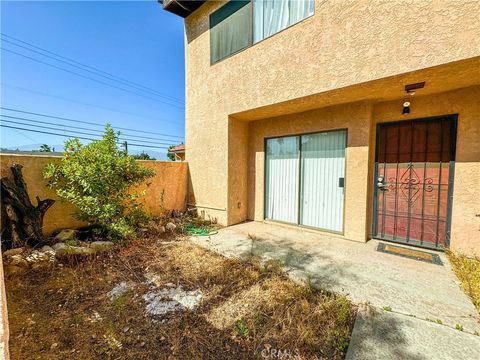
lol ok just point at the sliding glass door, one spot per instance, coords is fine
(282, 182)
(305, 179)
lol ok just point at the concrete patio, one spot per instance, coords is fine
(418, 293)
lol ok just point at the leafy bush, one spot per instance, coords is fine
(97, 179)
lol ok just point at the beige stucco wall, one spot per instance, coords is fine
(170, 180)
(315, 63)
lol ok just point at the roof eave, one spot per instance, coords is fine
(181, 8)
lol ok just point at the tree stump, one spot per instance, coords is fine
(24, 221)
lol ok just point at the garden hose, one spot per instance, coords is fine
(199, 231)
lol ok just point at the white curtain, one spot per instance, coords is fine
(282, 187)
(322, 167)
(232, 33)
(272, 16)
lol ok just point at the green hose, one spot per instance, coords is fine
(199, 231)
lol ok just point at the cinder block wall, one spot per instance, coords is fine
(167, 189)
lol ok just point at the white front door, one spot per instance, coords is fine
(305, 178)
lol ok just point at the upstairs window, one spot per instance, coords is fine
(272, 16)
(238, 24)
(230, 29)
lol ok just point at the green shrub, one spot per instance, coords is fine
(97, 178)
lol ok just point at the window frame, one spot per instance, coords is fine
(252, 43)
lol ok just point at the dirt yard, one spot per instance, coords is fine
(165, 298)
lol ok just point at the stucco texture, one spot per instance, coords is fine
(331, 70)
(166, 190)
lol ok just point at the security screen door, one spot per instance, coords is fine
(305, 178)
(413, 183)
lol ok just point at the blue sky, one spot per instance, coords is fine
(135, 40)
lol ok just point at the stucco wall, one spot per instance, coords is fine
(342, 44)
(170, 182)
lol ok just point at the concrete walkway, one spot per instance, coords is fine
(416, 294)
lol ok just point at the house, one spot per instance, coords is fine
(178, 152)
(360, 119)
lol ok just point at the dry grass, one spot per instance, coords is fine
(248, 309)
(468, 271)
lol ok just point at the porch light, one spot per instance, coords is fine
(406, 108)
(410, 88)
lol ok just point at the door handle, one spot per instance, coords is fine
(380, 184)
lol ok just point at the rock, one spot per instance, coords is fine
(37, 256)
(47, 249)
(18, 260)
(53, 346)
(162, 229)
(170, 226)
(12, 252)
(59, 246)
(101, 245)
(66, 234)
(62, 249)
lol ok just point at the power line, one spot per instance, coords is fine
(89, 78)
(84, 122)
(82, 128)
(96, 72)
(79, 137)
(82, 133)
(88, 66)
(82, 103)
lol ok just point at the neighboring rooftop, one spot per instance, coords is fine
(179, 149)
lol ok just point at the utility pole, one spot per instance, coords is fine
(126, 146)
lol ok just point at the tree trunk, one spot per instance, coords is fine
(24, 221)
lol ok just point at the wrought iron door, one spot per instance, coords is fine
(414, 165)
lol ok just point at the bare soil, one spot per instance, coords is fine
(248, 310)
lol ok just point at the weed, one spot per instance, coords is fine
(343, 309)
(387, 308)
(77, 318)
(241, 328)
(468, 271)
(71, 242)
(119, 303)
(437, 321)
(459, 327)
(476, 333)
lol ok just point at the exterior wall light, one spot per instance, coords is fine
(406, 108)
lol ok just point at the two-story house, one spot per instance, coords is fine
(360, 118)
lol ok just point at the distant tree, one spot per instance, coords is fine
(143, 156)
(169, 154)
(45, 148)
